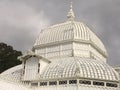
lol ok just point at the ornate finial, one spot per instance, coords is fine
(71, 15)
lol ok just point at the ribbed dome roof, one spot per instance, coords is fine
(12, 74)
(68, 67)
(11, 79)
(75, 66)
(70, 30)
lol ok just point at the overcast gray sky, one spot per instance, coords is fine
(22, 20)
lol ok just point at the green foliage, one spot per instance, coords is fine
(8, 57)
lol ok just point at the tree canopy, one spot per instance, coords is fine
(8, 57)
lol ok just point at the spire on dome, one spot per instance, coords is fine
(71, 15)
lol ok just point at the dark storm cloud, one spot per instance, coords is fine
(21, 20)
(20, 23)
(105, 18)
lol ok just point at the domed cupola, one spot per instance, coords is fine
(66, 56)
(70, 38)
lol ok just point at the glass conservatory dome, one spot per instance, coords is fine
(68, 67)
(70, 30)
(66, 56)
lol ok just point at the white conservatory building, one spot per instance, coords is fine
(65, 56)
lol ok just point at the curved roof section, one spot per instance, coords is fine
(67, 67)
(67, 31)
(11, 79)
(84, 68)
(13, 74)
(15, 68)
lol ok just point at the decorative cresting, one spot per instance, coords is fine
(79, 67)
